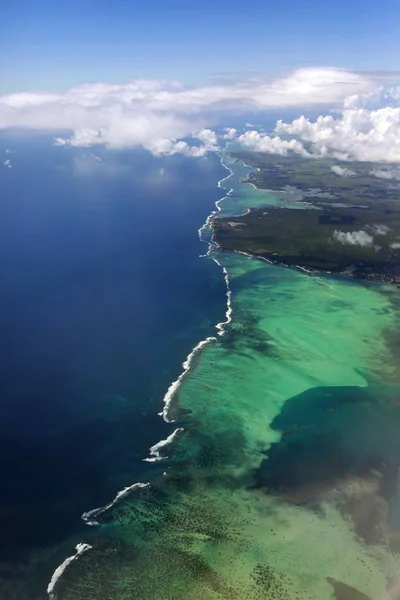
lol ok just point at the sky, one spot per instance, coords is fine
(176, 77)
(49, 44)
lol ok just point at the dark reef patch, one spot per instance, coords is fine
(346, 592)
(343, 444)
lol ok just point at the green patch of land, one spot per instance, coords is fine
(356, 227)
(311, 175)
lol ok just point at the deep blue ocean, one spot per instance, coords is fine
(103, 294)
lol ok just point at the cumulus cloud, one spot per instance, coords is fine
(358, 134)
(386, 173)
(380, 96)
(209, 139)
(158, 145)
(229, 133)
(354, 238)
(342, 171)
(259, 142)
(162, 115)
(7, 164)
(380, 229)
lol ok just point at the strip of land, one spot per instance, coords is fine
(352, 223)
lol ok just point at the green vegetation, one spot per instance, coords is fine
(311, 175)
(353, 222)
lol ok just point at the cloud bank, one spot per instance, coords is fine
(358, 134)
(165, 117)
(273, 145)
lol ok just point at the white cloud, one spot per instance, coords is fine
(209, 139)
(7, 164)
(380, 96)
(273, 145)
(354, 238)
(358, 134)
(158, 146)
(380, 229)
(162, 115)
(342, 171)
(386, 173)
(230, 133)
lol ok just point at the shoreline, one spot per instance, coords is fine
(382, 278)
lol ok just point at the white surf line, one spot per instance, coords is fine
(220, 182)
(228, 193)
(220, 326)
(217, 203)
(228, 314)
(175, 384)
(155, 454)
(95, 512)
(80, 549)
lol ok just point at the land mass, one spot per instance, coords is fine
(351, 223)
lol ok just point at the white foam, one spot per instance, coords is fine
(175, 384)
(220, 182)
(95, 512)
(155, 454)
(217, 204)
(80, 549)
(228, 314)
(220, 326)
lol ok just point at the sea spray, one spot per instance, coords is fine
(206, 224)
(155, 454)
(220, 326)
(90, 515)
(80, 549)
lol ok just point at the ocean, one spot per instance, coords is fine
(103, 295)
(274, 471)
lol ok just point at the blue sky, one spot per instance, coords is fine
(54, 44)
